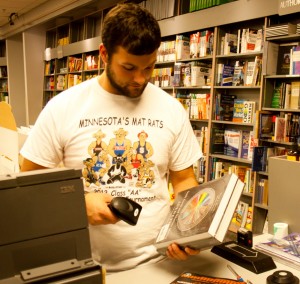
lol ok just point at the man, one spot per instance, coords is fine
(121, 98)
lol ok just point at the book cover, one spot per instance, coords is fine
(250, 73)
(295, 60)
(280, 129)
(230, 43)
(227, 75)
(251, 38)
(284, 57)
(194, 278)
(232, 142)
(286, 250)
(241, 213)
(217, 138)
(276, 96)
(248, 111)
(238, 110)
(201, 215)
(239, 73)
(295, 91)
(248, 224)
(257, 71)
(245, 144)
(182, 47)
(239, 217)
(226, 107)
(253, 141)
(220, 67)
(266, 125)
(177, 80)
(259, 160)
(287, 96)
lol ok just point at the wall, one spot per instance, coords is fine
(34, 46)
(16, 82)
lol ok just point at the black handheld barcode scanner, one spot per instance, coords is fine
(125, 209)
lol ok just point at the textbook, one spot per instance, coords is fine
(201, 215)
(192, 277)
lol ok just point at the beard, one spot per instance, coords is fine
(124, 88)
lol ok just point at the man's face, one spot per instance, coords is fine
(128, 74)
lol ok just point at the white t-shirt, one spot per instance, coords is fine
(125, 147)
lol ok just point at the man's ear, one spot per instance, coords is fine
(103, 53)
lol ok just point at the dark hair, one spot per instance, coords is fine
(131, 27)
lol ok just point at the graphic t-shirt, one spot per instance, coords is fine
(125, 147)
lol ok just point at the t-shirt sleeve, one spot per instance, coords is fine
(42, 144)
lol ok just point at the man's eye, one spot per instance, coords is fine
(128, 68)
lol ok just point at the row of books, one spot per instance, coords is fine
(63, 81)
(3, 71)
(194, 74)
(243, 73)
(201, 135)
(160, 9)
(3, 86)
(233, 142)
(245, 173)
(281, 30)
(63, 41)
(262, 191)
(162, 77)
(201, 44)
(203, 4)
(230, 108)
(287, 56)
(286, 95)
(196, 105)
(245, 40)
(242, 217)
(3, 97)
(198, 44)
(91, 62)
(199, 169)
(284, 127)
(75, 64)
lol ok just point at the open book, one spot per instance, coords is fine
(201, 215)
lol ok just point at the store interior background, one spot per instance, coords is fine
(26, 39)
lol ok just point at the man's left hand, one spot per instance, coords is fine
(174, 251)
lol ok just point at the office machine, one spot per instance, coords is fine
(44, 234)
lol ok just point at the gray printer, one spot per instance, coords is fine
(44, 234)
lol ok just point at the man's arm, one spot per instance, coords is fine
(182, 180)
(27, 165)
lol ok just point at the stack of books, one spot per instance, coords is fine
(286, 250)
(281, 30)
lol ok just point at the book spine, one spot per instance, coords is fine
(227, 216)
(214, 226)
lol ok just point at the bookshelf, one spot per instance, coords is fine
(276, 103)
(234, 93)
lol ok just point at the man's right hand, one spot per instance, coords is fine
(97, 210)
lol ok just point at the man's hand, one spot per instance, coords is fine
(98, 212)
(174, 251)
